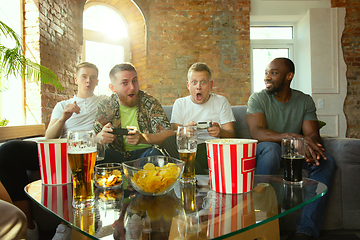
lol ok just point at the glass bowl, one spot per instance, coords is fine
(154, 175)
(108, 175)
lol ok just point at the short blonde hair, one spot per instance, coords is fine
(88, 65)
(199, 67)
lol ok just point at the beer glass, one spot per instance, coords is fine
(188, 199)
(101, 147)
(186, 139)
(82, 151)
(293, 157)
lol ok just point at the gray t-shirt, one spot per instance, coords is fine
(283, 117)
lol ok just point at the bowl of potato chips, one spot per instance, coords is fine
(154, 175)
(108, 175)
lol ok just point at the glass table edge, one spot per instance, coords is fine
(276, 216)
(217, 238)
(72, 226)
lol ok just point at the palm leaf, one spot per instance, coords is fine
(13, 62)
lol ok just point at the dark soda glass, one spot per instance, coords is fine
(293, 168)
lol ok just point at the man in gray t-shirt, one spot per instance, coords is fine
(283, 117)
(278, 112)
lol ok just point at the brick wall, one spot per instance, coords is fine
(176, 34)
(181, 33)
(351, 49)
(53, 34)
(167, 37)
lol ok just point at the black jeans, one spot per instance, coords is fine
(16, 157)
(169, 147)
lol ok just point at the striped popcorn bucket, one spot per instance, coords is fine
(54, 166)
(228, 213)
(58, 199)
(231, 164)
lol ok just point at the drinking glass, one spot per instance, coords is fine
(293, 156)
(100, 149)
(82, 151)
(188, 199)
(186, 139)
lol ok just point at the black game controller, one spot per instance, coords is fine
(204, 125)
(120, 131)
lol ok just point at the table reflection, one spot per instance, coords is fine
(189, 211)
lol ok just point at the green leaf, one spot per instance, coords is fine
(13, 62)
(321, 124)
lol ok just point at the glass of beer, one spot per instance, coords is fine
(186, 139)
(82, 151)
(293, 156)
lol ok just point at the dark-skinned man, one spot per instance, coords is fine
(279, 112)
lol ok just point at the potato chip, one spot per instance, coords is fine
(149, 166)
(155, 179)
(108, 179)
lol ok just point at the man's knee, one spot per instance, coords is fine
(268, 158)
(268, 148)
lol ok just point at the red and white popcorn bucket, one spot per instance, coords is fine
(54, 166)
(228, 213)
(58, 199)
(231, 164)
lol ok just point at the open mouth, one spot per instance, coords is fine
(268, 84)
(132, 95)
(198, 96)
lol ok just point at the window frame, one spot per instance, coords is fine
(271, 44)
(94, 36)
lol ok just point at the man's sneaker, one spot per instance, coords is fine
(63, 232)
(33, 234)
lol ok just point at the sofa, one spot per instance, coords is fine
(343, 208)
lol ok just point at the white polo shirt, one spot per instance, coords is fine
(82, 121)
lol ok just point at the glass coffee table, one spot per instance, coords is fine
(187, 212)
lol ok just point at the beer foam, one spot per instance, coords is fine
(231, 141)
(77, 150)
(186, 151)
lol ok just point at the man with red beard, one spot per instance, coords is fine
(203, 106)
(279, 112)
(128, 107)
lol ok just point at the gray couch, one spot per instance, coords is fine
(343, 208)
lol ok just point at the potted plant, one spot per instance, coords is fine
(14, 62)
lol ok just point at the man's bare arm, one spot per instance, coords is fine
(314, 149)
(225, 131)
(175, 126)
(257, 126)
(56, 125)
(54, 129)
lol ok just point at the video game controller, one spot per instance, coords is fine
(120, 131)
(204, 125)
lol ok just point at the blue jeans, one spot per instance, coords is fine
(268, 160)
(113, 156)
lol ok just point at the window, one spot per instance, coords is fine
(12, 99)
(106, 41)
(268, 43)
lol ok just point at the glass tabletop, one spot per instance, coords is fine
(188, 211)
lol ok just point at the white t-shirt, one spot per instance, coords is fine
(82, 121)
(216, 109)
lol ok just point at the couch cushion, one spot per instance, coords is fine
(241, 129)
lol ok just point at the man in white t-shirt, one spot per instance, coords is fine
(77, 113)
(203, 106)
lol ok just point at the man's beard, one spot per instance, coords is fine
(277, 89)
